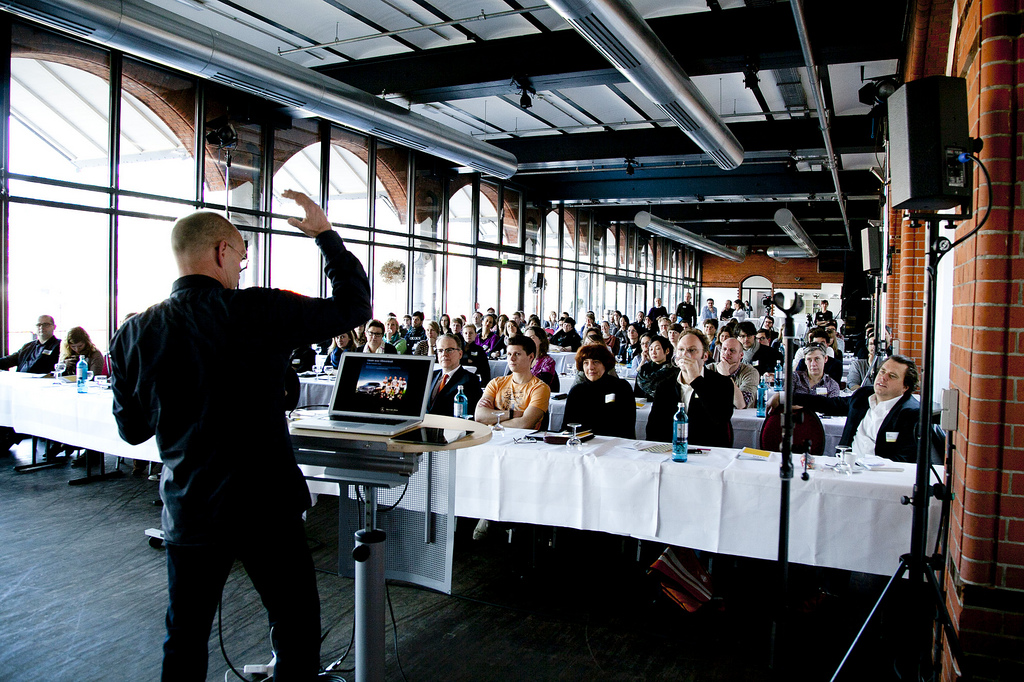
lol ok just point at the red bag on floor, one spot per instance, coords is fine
(682, 577)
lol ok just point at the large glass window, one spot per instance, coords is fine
(145, 265)
(390, 281)
(233, 158)
(391, 202)
(296, 167)
(349, 174)
(551, 233)
(459, 286)
(60, 270)
(157, 131)
(294, 262)
(488, 232)
(510, 220)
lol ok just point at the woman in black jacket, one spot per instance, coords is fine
(602, 403)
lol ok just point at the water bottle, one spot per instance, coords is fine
(762, 398)
(82, 372)
(461, 404)
(680, 434)
(780, 376)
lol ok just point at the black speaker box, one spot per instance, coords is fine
(928, 128)
(537, 281)
(871, 248)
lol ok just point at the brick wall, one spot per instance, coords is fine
(795, 274)
(985, 576)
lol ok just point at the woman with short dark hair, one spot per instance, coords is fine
(603, 403)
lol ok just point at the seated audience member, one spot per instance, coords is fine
(744, 377)
(448, 376)
(359, 335)
(675, 330)
(489, 336)
(510, 329)
(642, 357)
(768, 325)
(762, 357)
(657, 310)
(567, 338)
(881, 419)
(38, 356)
(602, 403)
(394, 335)
(375, 339)
(814, 381)
(78, 343)
(474, 356)
(457, 324)
(417, 333)
(658, 368)
(709, 312)
(621, 332)
(833, 365)
(342, 343)
(739, 313)
(543, 365)
(523, 397)
(838, 341)
(664, 324)
(631, 347)
(406, 325)
(591, 337)
(551, 323)
(445, 322)
(478, 320)
(724, 332)
(428, 346)
(590, 321)
(862, 371)
(610, 339)
(706, 394)
(727, 311)
(711, 333)
(302, 359)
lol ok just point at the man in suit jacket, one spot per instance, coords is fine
(881, 419)
(453, 375)
(707, 394)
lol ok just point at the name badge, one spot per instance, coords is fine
(891, 436)
(821, 390)
(610, 398)
(47, 351)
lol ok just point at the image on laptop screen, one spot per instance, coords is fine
(392, 385)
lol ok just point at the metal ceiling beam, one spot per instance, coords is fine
(743, 214)
(661, 184)
(695, 40)
(850, 135)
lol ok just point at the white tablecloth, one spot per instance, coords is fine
(713, 502)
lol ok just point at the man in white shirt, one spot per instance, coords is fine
(881, 419)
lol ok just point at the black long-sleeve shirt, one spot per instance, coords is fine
(34, 357)
(220, 427)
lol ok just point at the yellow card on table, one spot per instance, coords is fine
(753, 454)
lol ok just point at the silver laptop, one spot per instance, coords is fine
(377, 394)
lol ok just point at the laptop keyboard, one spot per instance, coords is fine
(371, 420)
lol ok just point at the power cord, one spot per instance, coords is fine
(394, 625)
(220, 638)
(962, 158)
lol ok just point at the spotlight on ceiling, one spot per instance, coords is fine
(525, 91)
(222, 136)
(631, 165)
(876, 90)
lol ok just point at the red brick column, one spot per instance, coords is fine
(985, 578)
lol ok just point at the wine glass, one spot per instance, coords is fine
(574, 442)
(498, 430)
(318, 365)
(58, 371)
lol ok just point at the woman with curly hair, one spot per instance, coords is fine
(603, 403)
(78, 343)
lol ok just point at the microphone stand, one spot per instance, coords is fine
(781, 621)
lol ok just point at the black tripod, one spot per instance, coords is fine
(779, 625)
(923, 569)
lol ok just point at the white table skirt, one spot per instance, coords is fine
(713, 502)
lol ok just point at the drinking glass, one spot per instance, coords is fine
(58, 371)
(318, 364)
(574, 443)
(841, 452)
(498, 430)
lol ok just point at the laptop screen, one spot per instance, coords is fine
(375, 384)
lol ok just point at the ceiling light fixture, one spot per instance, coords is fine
(525, 91)
(664, 228)
(631, 165)
(805, 248)
(876, 90)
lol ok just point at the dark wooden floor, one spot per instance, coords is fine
(82, 597)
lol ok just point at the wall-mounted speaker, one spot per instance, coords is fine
(928, 129)
(871, 248)
(537, 281)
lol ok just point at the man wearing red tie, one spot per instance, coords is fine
(451, 375)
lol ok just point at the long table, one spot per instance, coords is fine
(713, 502)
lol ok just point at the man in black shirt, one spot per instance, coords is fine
(823, 315)
(686, 311)
(37, 356)
(230, 485)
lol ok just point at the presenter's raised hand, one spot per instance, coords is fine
(315, 221)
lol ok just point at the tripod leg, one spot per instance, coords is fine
(892, 581)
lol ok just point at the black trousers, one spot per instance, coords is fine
(280, 567)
